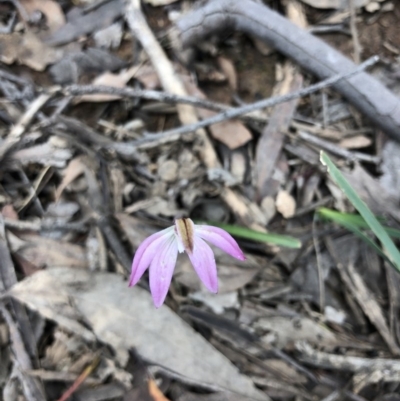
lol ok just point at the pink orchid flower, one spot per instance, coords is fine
(160, 251)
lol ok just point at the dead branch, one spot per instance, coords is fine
(162, 138)
(337, 150)
(165, 71)
(365, 92)
(273, 135)
(344, 363)
(146, 94)
(16, 132)
(31, 387)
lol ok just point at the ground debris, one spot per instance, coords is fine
(117, 117)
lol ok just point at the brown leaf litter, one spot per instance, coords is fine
(88, 173)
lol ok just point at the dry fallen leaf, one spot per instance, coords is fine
(52, 301)
(231, 133)
(74, 169)
(85, 23)
(147, 75)
(45, 252)
(283, 331)
(228, 68)
(109, 37)
(52, 10)
(28, 50)
(77, 63)
(217, 302)
(109, 79)
(46, 154)
(285, 204)
(125, 318)
(355, 142)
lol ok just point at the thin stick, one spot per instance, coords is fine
(364, 91)
(354, 32)
(320, 271)
(164, 97)
(176, 133)
(165, 71)
(337, 150)
(16, 132)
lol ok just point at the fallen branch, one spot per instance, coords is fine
(344, 363)
(165, 71)
(154, 140)
(365, 92)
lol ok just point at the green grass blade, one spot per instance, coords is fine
(389, 247)
(273, 239)
(354, 228)
(354, 219)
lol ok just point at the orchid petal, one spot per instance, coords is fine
(220, 238)
(146, 253)
(203, 261)
(161, 270)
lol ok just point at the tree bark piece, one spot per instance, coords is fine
(271, 141)
(365, 92)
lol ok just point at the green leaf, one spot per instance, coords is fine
(355, 219)
(274, 239)
(389, 247)
(352, 224)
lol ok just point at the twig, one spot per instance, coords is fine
(336, 150)
(367, 370)
(320, 271)
(175, 134)
(8, 278)
(163, 97)
(60, 376)
(169, 80)
(365, 92)
(354, 32)
(7, 272)
(16, 132)
(31, 386)
(101, 217)
(269, 146)
(38, 225)
(80, 379)
(344, 363)
(16, 79)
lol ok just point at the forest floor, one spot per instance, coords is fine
(118, 117)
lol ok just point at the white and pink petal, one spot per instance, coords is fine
(146, 252)
(203, 261)
(221, 239)
(161, 270)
